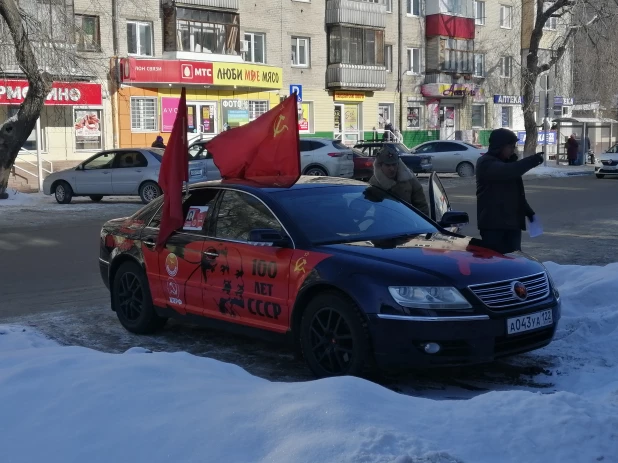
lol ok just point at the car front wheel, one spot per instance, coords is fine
(63, 192)
(334, 336)
(600, 176)
(149, 191)
(132, 302)
(96, 198)
(465, 169)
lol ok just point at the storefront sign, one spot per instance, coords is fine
(134, 70)
(451, 90)
(13, 92)
(349, 97)
(235, 112)
(169, 109)
(247, 75)
(303, 118)
(563, 101)
(508, 99)
(87, 124)
(551, 138)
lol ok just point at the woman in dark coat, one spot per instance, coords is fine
(572, 147)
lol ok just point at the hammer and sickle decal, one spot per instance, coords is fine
(279, 126)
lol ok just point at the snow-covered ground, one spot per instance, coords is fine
(71, 404)
(560, 171)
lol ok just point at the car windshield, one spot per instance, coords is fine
(341, 214)
(401, 148)
(157, 153)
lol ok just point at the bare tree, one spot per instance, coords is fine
(15, 131)
(574, 16)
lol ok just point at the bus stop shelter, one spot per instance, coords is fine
(596, 134)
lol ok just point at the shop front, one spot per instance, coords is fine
(508, 112)
(445, 106)
(71, 124)
(220, 95)
(348, 112)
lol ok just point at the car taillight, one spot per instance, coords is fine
(338, 154)
(368, 163)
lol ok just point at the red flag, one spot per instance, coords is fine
(266, 150)
(174, 171)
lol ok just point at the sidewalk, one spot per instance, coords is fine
(560, 171)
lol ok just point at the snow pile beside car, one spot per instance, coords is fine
(65, 404)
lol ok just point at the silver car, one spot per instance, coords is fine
(318, 156)
(607, 163)
(119, 172)
(451, 156)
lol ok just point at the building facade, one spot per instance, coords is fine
(435, 69)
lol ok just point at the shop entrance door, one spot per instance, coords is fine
(201, 119)
(447, 122)
(347, 123)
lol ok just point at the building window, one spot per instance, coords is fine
(507, 116)
(139, 38)
(413, 117)
(455, 7)
(204, 31)
(388, 58)
(51, 23)
(87, 33)
(479, 13)
(479, 65)
(257, 108)
(144, 114)
(414, 60)
(87, 125)
(255, 47)
(506, 67)
(552, 22)
(506, 16)
(300, 52)
(457, 55)
(386, 113)
(352, 45)
(413, 7)
(478, 116)
(389, 6)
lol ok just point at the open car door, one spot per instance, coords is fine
(440, 208)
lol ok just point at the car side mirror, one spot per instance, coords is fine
(269, 235)
(454, 219)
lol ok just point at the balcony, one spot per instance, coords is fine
(61, 60)
(362, 13)
(219, 4)
(356, 77)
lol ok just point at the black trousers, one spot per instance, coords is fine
(502, 241)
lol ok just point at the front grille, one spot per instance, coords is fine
(610, 163)
(500, 295)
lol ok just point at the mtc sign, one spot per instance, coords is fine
(154, 71)
(13, 92)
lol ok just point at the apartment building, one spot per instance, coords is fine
(434, 68)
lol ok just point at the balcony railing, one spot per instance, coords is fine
(351, 76)
(356, 12)
(58, 59)
(223, 4)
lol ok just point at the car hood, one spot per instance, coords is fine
(608, 156)
(460, 261)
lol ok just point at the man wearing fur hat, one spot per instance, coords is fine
(391, 174)
(501, 200)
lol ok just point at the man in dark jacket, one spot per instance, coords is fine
(501, 201)
(158, 143)
(391, 174)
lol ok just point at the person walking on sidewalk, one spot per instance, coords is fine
(572, 148)
(501, 200)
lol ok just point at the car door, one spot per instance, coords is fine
(439, 203)
(448, 156)
(247, 281)
(175, 273)
(94, 176)
(127, 172)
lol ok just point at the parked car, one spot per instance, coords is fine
(365, 153)
(318, 157)
(119, 172)
(607, 163)
(451, 156)
(344, 271)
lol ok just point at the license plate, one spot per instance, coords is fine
(195, 172)
(529, 322)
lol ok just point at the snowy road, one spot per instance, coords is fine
(49, 279)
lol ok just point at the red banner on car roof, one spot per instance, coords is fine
(13, 92)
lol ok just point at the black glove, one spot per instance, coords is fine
(531, 217)
(540, 158)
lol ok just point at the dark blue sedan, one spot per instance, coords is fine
(347, 274)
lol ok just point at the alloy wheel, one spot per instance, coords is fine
(131, 296)
(150, 192)
(60, 193)
(331, 340)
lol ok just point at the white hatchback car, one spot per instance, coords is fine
(607, 163)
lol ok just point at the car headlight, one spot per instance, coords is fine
(429, 297)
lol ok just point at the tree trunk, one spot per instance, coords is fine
(529, 83)
(15, 131)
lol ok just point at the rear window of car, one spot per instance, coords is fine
(340, 146)
(158, 154)
(470, 145)
(401, 148)
(350, 213)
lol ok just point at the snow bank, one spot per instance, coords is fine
(560, 171)
(17, 198)
(70, 404)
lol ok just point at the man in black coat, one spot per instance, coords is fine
(501, 201)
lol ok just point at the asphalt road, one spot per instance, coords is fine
(49, 279)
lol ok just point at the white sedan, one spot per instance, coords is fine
(607, 163)
(451, 156)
